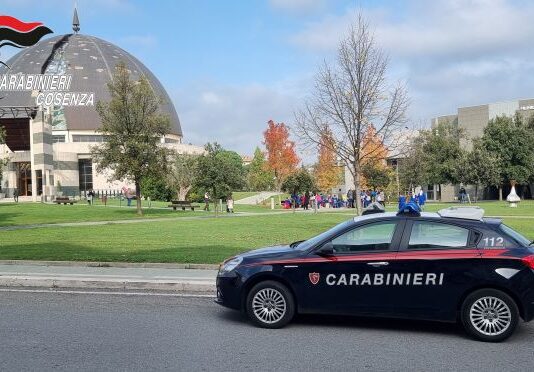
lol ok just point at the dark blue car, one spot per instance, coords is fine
(454, 265)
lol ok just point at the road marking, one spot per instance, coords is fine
(107, 293)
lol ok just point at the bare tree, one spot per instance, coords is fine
(352, 97)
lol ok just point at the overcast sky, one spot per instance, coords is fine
(230, 66)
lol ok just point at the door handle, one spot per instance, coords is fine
(381, 263)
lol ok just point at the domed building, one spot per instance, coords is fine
(49, 148)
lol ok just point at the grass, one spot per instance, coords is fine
(33, 213)
(188, 241)
(12, 214)
(205, 240)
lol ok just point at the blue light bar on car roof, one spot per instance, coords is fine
(409, 209)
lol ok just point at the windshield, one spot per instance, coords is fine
(307, 244)
(515, 235)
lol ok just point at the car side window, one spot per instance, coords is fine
(429, 235)
(371, 237)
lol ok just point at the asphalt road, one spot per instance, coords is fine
(78, 332)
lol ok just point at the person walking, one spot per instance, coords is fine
(422, 198)
(88, 197)
(402, 200)
(16, 195)
(367, 199)
(380, 197)
(230, 204)
(306, 200)
(207, 202)
(318, 200)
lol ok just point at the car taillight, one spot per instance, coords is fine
(529, 261)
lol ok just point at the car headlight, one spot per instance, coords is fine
(230, 265)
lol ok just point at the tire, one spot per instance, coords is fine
(270, 304)
(489, 315)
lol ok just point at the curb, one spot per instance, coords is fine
(93, 283)
(154, 265)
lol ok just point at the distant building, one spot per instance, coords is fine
(247, 159)
(473, 120)
(48, 148)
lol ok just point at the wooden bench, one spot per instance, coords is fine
(65, 200)
(182, 204)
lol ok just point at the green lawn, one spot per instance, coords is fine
(188, 241)
(204, 240)
(35, 213)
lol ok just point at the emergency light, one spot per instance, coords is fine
(409, 209)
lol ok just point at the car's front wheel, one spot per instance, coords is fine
(270, 304)
(489, 315)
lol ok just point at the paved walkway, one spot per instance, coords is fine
(129, 278)
(257, 199)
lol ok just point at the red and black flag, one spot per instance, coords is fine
(20, 34)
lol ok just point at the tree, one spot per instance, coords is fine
(133, 126)
(3, 162)
(182, 174)
(300, 181)
(511, 141)
(260, 177)
(350, 96)
(156, 188)
(409, 169)
(374, 156)
(282, 158)
(376, 176)
(440, 152)
(219, 171)
(478, 167)
(327, 171)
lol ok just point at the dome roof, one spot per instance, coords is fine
(90, 61)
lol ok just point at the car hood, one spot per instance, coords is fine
(276, 251)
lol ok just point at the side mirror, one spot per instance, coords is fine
(326, 250)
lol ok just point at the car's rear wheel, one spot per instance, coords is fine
(489, 315)
(270, 304)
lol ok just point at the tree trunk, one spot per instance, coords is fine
(476, 193)
(500, 193)
(138, 198)
(182, 192)
(215, 204)
(357, 190)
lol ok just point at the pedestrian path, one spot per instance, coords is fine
(160, 277)
(257, 199)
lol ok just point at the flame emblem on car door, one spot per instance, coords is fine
(314, 278)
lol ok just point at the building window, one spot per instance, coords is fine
(85, 169)
(171, 140)
(58, 138)
(88, 138)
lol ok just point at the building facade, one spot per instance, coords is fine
(48, 148)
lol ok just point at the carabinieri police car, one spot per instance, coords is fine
(454, 265)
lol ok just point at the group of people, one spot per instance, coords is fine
(370, 196)
(417, 198)
(323, 200)
(366, 197)
(311, 200)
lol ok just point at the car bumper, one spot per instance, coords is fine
(229, 292)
